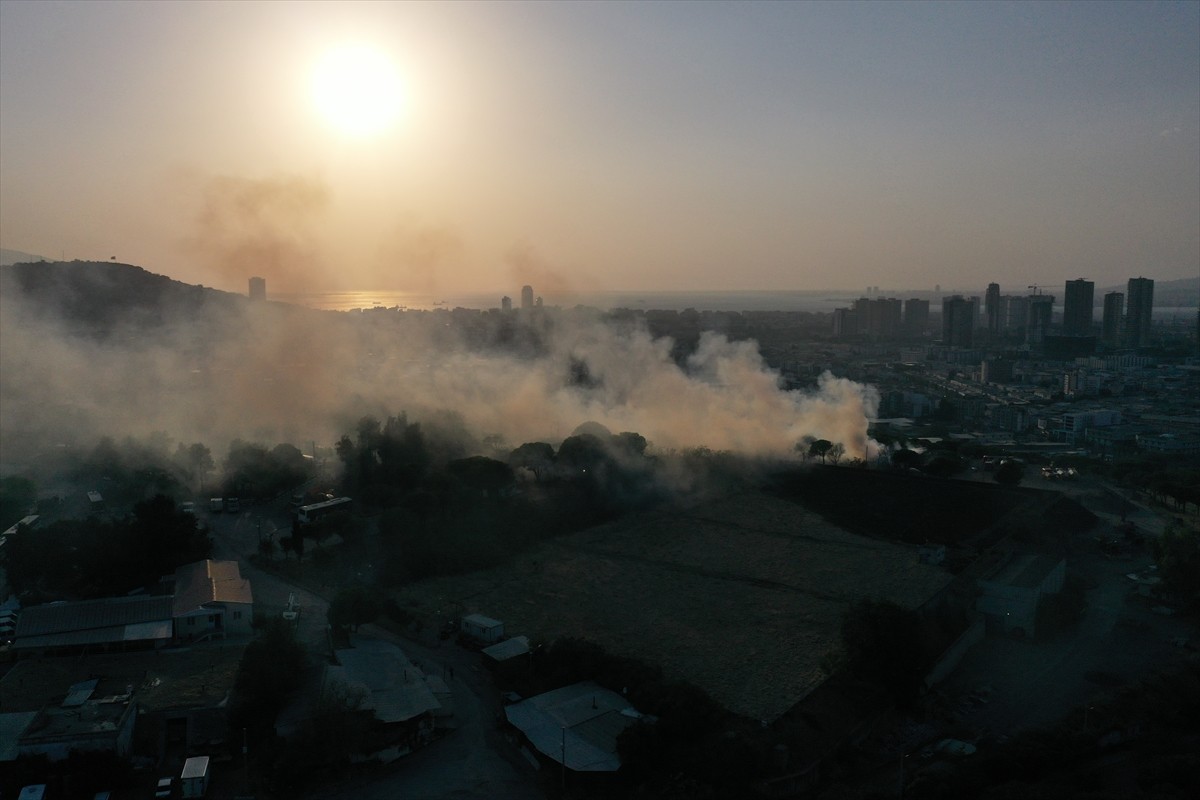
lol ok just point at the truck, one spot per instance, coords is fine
(193, 780)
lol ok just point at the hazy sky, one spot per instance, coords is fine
(610, 145)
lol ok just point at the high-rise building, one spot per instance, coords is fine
(991, 307)
(1114, 303)
(1077, 307)
(1014, 314)
(958, 321)
(258, 288)
(845, 322)
(1041, 311)
(526, 297)
(506, 303)
(883, 317)
(1139, 303)
(916, 316)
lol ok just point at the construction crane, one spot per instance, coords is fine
(1036, 289)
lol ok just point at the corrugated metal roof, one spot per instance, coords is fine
(86, 615)
(580, 722)
(479, 620)
(395, 689)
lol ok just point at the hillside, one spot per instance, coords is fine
(98, 295)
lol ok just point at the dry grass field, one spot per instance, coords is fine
(742, 596)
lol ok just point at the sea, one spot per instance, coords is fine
(811, 301)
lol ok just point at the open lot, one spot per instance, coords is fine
(742, 596)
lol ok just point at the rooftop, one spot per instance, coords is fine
(109, 619)
(392, 686)
(204, 582)
(575, 725)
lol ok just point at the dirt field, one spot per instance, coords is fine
(742, 596)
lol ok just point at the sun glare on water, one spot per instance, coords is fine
(357, 90)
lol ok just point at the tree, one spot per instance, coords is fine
(583, 452)
(820, 449)
(836, 452)
(17, 496)
(1177, 553)
(271, 669)
(355, 606)
(195, 460)
(906, 459)
(537, 457)
(1009, 473)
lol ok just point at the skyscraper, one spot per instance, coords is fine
(526, 297)
(991, 306)
(1114, 302)
(958, 321)
(1139, 305)
(1077, 307)
(916, 316)
(1041, 311)
(1014, 314)
(258, 288)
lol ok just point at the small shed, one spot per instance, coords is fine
(481, 628)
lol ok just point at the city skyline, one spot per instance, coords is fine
(592, 147)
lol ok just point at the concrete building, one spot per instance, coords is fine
(845, 322)
(1139, 306)
(1041, 313)
(1114, 304)
(1009, 597)
(916, 316)
(1077, 307)
(95, 716)
(1014, 314)
(884, 316)
(258, 289)
(958, 321)
(991, 306)
(212, 599)
(526, 298)
(506, 304)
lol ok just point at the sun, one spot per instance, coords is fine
(357, 89)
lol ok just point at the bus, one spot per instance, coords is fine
(312, 513)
